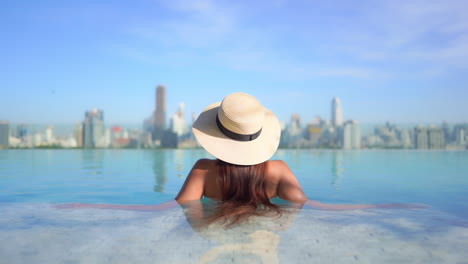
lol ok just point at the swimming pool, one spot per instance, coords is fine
(33, 230)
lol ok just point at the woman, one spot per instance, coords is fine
(243, 136)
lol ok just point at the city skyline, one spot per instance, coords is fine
(395, 61)
(336, 133)
(163, 118)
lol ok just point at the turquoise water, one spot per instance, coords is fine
(436, 178)
(33, 230)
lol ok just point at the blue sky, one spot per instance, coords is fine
(398, 61)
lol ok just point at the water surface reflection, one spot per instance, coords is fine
(93, 161)
(255, 240)
(159, 170)
(337, 168)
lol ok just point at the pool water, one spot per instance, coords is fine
(33, 230)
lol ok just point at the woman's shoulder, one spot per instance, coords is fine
(204, 164)
(289, 187)
(278, 165)
(279, 170)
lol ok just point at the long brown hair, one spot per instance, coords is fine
(244, 193)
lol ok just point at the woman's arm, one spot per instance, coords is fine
(194, 183)
(343, 207)
(289, 188)
(131, 207)
(337, 207)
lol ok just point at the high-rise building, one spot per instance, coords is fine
(421, 140)
(460, 137)
(436, 138)
(292, 135)
(448, 133)
(37, 139)
(178, 121)
(405, 138)
(313, 133)
(93, 128)
(429, 138)
(337, 112)
(160, 113)
(460, 134)
(351, 137)
(78, 134)
(105, 140)
(49, 134)
(21, 131)
(295, 126)
(4, 134)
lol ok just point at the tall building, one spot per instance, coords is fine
(93, 129)
(429, 138)
(78, 134)
(405, 138)
(37, 139)
(21, 131)
(295, 126)
(160, 113)
(351, 135)
(178, 121)
(313, 133)
(337, 112)
(460, 134)
(448, 134)
(291, 136)
(436, 138)
(105, 140)
(421, 140)
(49, 134)
(4, 134)
(460, 137)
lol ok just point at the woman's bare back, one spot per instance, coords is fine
(202, 181)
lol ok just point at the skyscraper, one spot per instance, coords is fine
(295, 125)
(178, 121)
(351, 135)
(460, 136)
(436, 138)
(337, 112)
(49, 134)
(429, 138)
(4, 134)
(421, 140)
(160, 113)
(21, 131)
(93, 128)
(78, 134)
(405, 138)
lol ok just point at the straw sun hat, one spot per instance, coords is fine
(238, 130)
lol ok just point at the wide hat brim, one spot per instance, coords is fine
(232, 151)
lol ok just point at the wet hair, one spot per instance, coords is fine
(244, 194)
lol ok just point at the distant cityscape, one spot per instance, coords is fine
(155, 132)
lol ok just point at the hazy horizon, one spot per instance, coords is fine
(66, 129)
